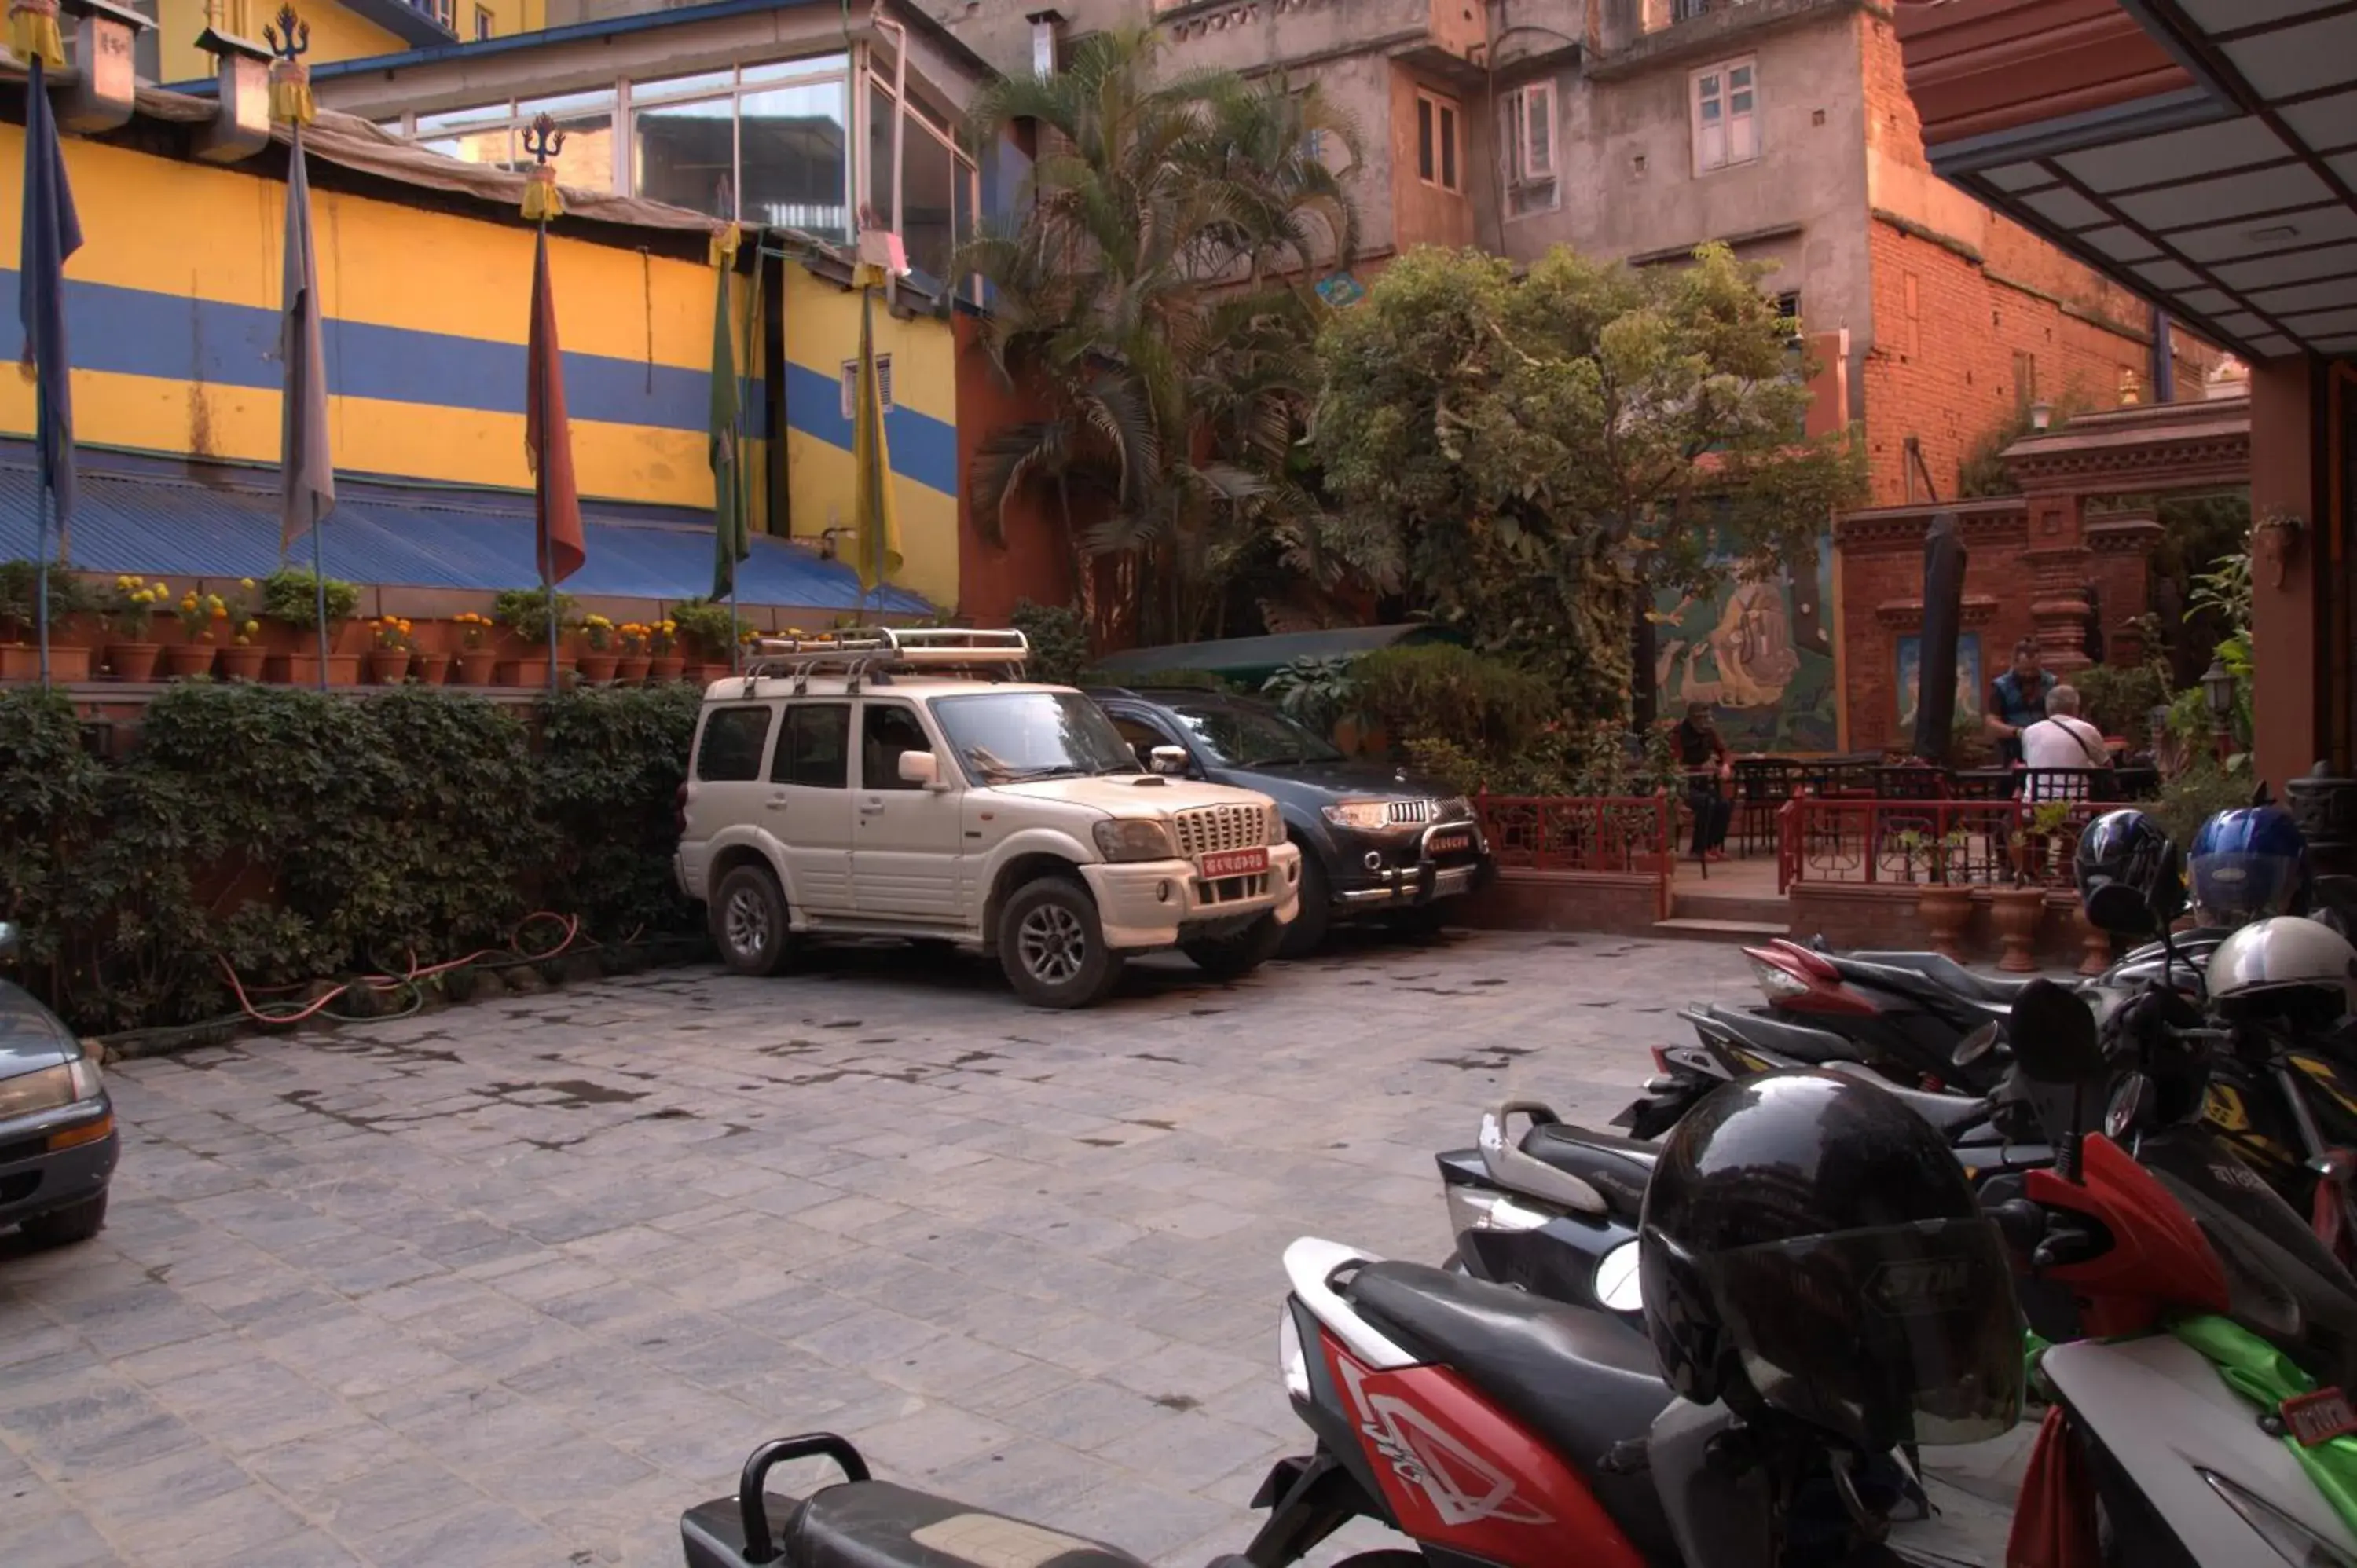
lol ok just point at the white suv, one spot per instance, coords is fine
(884, 783)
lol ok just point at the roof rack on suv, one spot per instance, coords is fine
(874, 651)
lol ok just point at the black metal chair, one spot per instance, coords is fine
(1762, 786)
(2037, 786)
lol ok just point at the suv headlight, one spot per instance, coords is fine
(1274, 833)
(1366, 816)
(66, 1083)
(1135, 838)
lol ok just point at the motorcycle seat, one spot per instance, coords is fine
(1949, 1114)
(1615, 1167)
(1944, 972)
(1797, 1041)
(1581, 1381)
(876, 1524)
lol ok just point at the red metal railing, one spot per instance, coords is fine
(1961, 843)
(1567, 833)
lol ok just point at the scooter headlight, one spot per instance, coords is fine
(1291, 1360)
(1617, 1286)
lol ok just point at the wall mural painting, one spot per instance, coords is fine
(1760, 654)
(1911, 681)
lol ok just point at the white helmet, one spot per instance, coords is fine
(2287, 952)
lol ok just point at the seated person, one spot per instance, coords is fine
(2062, 740)
(1703, 754)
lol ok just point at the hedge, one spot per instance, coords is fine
(299, 835)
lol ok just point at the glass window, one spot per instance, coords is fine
(1424, 149)
(485, 23)
(682, 153)
(730, 751)
(450, 120)
(1143, 737)
(1436, 141)
(1243, 736)
(1725, 125)
(794, 142)
(794, 69)
(885, 730)
(493, 148)
(880, 122)
(814, 747)
(586, 119)
(1005, 737)
(927, 201)
(683, 86)
(965, 199)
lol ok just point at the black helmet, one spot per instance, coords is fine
(1810, 1246)
(2130, 872)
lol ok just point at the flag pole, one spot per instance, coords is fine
(544, 141)
(318, 550)
(41, 562)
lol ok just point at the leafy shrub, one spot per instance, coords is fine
(709, 628)
(1059, 638)
(2120, 701)
(524, 611)
(1316, 692)
(19, 612)
(1436, 692)
(296, 835)
(2195, 795)
(291, 595)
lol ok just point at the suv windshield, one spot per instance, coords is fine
(1251, 737)
(1006, 737)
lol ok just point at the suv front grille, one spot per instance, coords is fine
(1410, 812)
(1207, 829)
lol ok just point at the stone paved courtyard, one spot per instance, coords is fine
(513, 1284)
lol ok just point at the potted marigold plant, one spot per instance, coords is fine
(291, 596)
(199, 614)
(475, 657)
(526, 613)
(390, 648)
(129, 612)
(630, 664)
(242, 651)
(663, 661)
(597, 665)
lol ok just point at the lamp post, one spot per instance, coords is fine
(2218, 692)
(2041, 416)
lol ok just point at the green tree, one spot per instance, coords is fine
(1546, 453)
(1156, 297)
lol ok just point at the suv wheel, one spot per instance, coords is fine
(74, 1222)
(749, 920)
(1307, 931)
(1233, 957)
(1052, 946)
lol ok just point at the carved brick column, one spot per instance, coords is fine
(2056, 558)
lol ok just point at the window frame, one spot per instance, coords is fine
(914, 712)
(1520, 100)
(849, 383)
(485, 24)
(1439, 142)
(761, 745)
(1724, 70)
(778, 758)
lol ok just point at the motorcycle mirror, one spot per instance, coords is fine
(1976, 1046)
(2131, 1103)
(2054, 1036)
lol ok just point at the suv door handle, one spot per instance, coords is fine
(869, 808)
(776, 802)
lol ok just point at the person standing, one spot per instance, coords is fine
(1702, 752)
(2016, 701)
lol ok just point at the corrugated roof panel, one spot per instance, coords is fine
(152, 522)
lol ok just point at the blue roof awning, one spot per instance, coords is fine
(170, 519)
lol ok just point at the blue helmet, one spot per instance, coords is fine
(2249, 864)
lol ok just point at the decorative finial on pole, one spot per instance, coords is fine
(544, 141)
(290, 79)
(33, 33)
(724, 233)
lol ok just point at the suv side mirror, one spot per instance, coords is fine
(921, 768)
(7, 939)
(1170, 761)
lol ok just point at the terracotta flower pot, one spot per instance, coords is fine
(430, 669)
(597, 669)
(2016, 912)
(303, 669)
(133, 660)
(388, 666)
(532, 674)
(2095, 944)
(183, 660)
(1946, 910)
(705, 674)
(665, 666)
(630, 669)
(242, 662)
(68, 664)
(475, 666)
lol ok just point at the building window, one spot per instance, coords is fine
(1437, 145)
(1688, 10)
(1725, 128)
(485, 23)
(851, 384)
(1530, 143)
(444, 12)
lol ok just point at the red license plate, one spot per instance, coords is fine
(1448, 844)
(2320, 1417)
(1235, 863)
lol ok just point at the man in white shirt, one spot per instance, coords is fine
(2062, 740)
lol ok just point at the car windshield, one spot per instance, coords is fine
(1240, 736)
(1006, 737)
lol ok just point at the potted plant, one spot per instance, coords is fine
(707, 634)
(663, 663)
(197, 613)
(630, 665)
(475, 657)
(597, 664)
(1946, 901)
(390, 650)
(2016, 910)
(20, 654)
(129, 613)
(525, 612)
(290, 595)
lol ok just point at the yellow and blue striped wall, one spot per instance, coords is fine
(821, 332)
(173, 315)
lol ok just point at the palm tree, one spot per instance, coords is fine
(1157, 294)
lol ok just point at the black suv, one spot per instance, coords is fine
(1373, 841)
